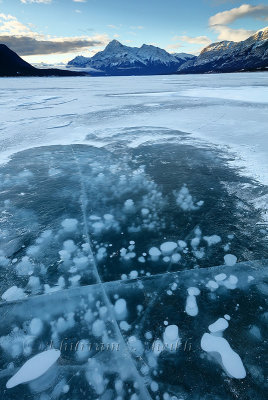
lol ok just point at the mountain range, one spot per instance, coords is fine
(13, 65)
(117, 59)
(227, 56)
(249, 55)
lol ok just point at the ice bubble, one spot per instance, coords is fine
(120, 309)
(230, 259)
(36, 327)
(145, 211)
(94, 218)
(4, 261)
(64, 255)
(191, 306)
(34, 368)
(81, 262)
(255, 331)
(220, 277)
(129, 205)
(175, 258)
(185, 200)
(34, 284)
(166, 259)
(69, 246)
(154, 386)
(124, 326)
(212, 285)
(141, 259)
(135, 346)
(155, 253)
(108, 217)
(13, 293)
(98, 227)
(25, 267)
(230, 359)
(211, 240)
(33, 251)
(75, 280)
(133, 274)
(195, 242)
(182, 244)
(171, 337)
(148, 335)
(218, 326)
(70, 224)
(167, 248)
(65, 389)
(193, 291)
(62, 324)
(231, 282)
(98, 328)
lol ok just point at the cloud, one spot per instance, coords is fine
(219, 21)
(36, 1)
(80, 1)
(245, 10)
(235, 35)
(113, 26)
(28, 46)
(20, 38)
(137, 27)
(193, 40)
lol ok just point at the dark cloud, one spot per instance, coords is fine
(27, 46)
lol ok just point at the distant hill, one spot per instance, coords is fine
(13, 65)
(248, 55)
(117, 59)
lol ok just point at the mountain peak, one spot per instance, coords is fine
(113, 44)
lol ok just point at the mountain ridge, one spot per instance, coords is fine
(118, 59)
(227, 56)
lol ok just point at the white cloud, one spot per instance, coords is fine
(23, 40)
(235, 35)
(193, 40)
(80, 1)
(245, 10)
(137, 27)
(36, 1)
(113, 26)
(219, 22)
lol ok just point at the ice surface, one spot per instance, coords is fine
(113, 217)
(77, 318)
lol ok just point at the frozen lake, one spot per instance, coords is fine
(133, 214)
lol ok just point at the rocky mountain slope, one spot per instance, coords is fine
(249, 55)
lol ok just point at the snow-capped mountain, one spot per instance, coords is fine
(249, 55)
(117, 59)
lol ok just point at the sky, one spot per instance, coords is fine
(55, 31)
